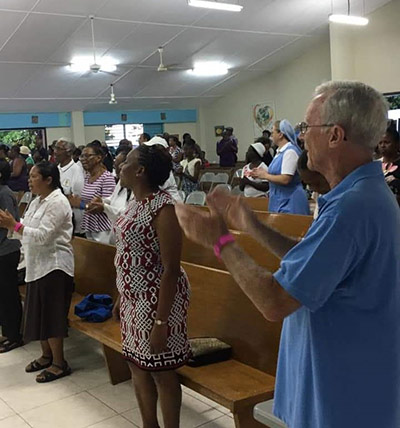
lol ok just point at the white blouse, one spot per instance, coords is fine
(47, 235)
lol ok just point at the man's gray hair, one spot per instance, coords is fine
(68, 145)
(359, 109)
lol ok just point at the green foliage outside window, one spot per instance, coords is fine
(21, 137)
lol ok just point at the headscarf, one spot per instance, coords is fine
(286, 128)
(259, 148)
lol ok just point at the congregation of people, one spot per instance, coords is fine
(329, 290)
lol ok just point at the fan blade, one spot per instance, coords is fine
(110, 73)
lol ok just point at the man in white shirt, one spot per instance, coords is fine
(71, 176)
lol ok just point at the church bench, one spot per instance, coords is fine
(218, 308)
(293, 225)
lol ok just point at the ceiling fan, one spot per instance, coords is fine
(95, 66)
(162, 67)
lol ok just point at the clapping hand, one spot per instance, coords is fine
(74, 200)
(235, 211)
(95, 206)
(258, 173)
(7, 221)
(200, 226)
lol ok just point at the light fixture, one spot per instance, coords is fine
(348, 19)
(112, 96)
(209, 4)
(206, 69)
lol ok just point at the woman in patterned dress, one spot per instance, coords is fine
(153, 288)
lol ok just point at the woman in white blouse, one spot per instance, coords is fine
(46, 232)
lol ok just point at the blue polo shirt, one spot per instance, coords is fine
(339, 359)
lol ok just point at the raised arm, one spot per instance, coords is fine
(240, 216)
(257, 282)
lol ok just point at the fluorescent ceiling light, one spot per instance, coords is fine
(209, 4)
(82, 64)
(348, 19)
(209, 69)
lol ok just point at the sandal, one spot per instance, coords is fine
(35, 366)
(8, 345)
(47, 376)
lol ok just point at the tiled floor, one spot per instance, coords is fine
(86, 398)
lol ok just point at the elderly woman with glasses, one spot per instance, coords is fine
(286, 193)
(98, 183)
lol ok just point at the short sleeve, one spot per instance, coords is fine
(108, 185)
(289, 162)
(314, 268)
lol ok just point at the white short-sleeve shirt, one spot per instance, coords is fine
(289, 161)
(249, 191)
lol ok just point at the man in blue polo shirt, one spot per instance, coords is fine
(338, 290)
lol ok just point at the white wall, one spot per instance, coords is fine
(289, 88)
(371, 53)
(94, 133)
(91, 133)
(182, 128)
(56, 133)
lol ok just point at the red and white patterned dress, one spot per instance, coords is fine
(139, 270)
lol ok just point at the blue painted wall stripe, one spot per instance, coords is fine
(24, 120)
(55, 120)
(145, 117)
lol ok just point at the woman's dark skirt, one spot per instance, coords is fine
(46, 306)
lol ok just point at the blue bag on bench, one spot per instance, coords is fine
(95, 308)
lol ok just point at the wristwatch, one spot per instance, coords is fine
(159, 322)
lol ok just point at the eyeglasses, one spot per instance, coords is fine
(303, 126)
(82, 157)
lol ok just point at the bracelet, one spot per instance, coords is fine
(17, 227)
(221, 243)
(82, 205)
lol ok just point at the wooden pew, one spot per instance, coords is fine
(196, 254)
(293, 225)
(257, 204)
(218, 309)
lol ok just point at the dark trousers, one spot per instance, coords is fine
(10, 299)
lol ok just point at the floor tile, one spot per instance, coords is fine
(115, 422)
(223, 422)
(200, 397)
(5, 411)
(189, 418)
(78, 411)
(23, 397)
(19, 355)
(13, 422)
(120, 398)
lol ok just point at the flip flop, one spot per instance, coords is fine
(35, 366)
(8, 346)
(47, 376)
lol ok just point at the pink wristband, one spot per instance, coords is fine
(221, 243)
(17, 226)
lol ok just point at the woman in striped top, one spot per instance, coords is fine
(98, 183)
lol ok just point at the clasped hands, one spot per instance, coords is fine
(7, 221)
(206, 227)
(95, 206)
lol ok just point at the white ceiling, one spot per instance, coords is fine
(39, 38)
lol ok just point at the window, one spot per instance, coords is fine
(394, 107)
(130, 131)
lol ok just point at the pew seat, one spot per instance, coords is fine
(232, 384)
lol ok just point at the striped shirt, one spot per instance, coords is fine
(102, 187)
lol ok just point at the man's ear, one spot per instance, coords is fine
(337, 136)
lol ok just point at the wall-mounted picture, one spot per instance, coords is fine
(263, 117)
(219, 129)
